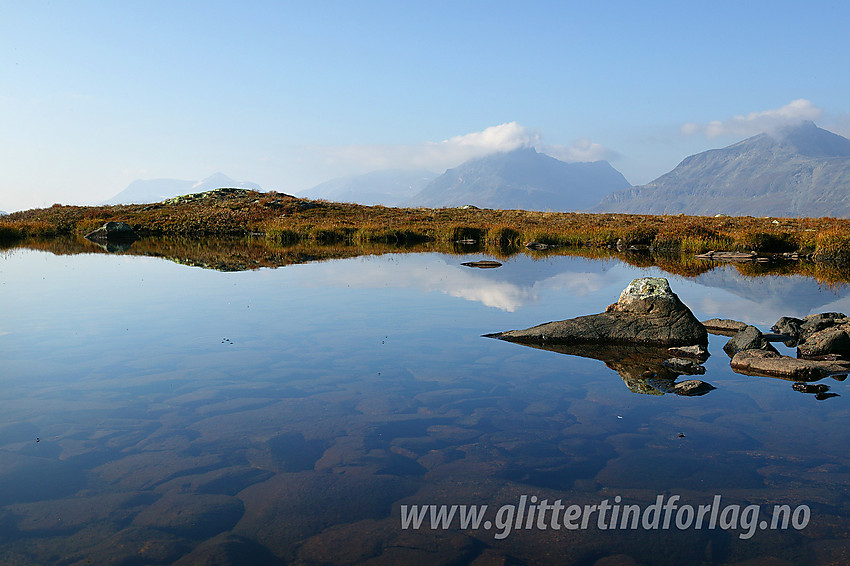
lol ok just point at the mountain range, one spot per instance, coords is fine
(389, 187)
(799, 170)
(156, 190)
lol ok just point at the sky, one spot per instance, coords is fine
(94, 95)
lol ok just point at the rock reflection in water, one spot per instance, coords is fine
(642, 368)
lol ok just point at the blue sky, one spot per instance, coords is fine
(94, 95)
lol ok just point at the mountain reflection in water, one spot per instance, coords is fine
(155, 413)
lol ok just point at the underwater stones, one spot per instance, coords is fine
(647, 312)
(750, 338)
(113, 232)
(193, 515)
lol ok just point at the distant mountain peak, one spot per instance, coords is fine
(521, 178)
(219, 179)
(806, 138)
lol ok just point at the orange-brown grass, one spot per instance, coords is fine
(284, 219)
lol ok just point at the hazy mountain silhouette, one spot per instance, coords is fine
(798, 170)
(522, 179)
(157, 190)
(389, 187)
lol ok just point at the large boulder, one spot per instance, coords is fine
(648, 312)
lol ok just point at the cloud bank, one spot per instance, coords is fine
(441, 155)
(757, 122)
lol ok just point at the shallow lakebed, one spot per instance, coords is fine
(155, 413)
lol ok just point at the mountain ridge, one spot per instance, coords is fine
(799, 170)
(388, 187)
(521, 179)
(142, 191)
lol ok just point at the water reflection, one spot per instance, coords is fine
(285, 415)
(644, 369)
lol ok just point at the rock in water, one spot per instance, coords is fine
(648, 312)
(113, 232)
(761, 362)
(724, 326)
(750, 338)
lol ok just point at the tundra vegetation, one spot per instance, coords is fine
(275, 221)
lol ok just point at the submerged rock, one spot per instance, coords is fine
(692, 388)
(697, 352)
(750, 338)
(761, 362)
(113, 232)
(688, 388)
(684, 366)
(648, 312)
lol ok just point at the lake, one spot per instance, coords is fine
(158, 413)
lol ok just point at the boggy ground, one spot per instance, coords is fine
(283, 218)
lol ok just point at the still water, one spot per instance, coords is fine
(154, 413)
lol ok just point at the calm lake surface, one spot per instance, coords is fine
(153, 413)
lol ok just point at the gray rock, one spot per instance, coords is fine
(824, 334)
(815, 322)
(648, 312)
(724, 326)
(684, 366)
(761, 362)
(750, 338)
(834, 340)
(113, 232)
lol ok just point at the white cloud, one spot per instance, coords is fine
(504, 137)
(756, 122)
(581, 150)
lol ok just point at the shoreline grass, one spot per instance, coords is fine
(284, 219)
